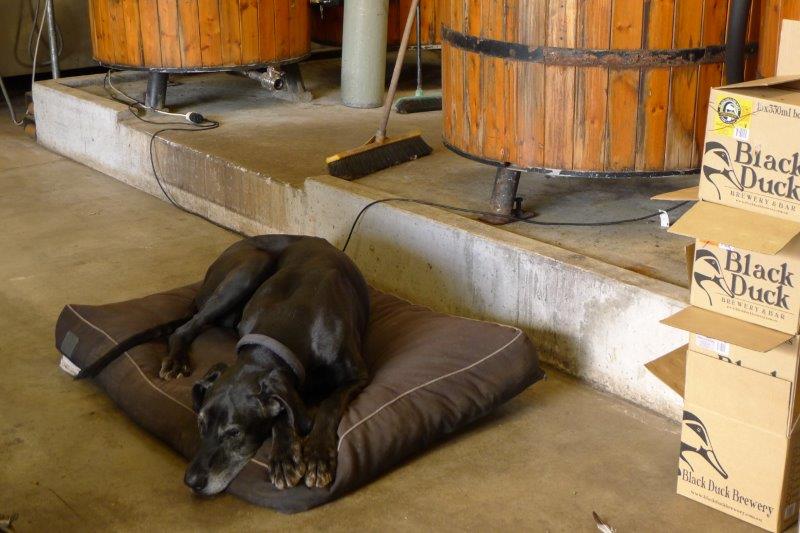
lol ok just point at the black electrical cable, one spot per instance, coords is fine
(510, 218)
(209, 125)
(135, 106)
(9, 104)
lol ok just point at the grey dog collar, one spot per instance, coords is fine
(276, 347)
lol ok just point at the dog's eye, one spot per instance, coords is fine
(233, 433)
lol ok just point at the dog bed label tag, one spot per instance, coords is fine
(68, 366)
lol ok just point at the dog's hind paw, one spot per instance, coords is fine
(286, 469)
(320, 465)
(172, 368)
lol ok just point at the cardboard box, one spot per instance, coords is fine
(740, 450)
(751, 157)
(746, 265)
(788, 58)
(740, 343)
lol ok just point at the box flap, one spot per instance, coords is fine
(738, 393)
(788, 58)
(690, 194)
(671, 369)
(707, 221)
(727, 329)
(689, 251)
(774, 81)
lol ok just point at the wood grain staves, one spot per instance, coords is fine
(192, 34)
(646, 118)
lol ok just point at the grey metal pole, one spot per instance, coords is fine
(364, 52)
(51, 35)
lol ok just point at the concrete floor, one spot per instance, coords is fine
(282, 141)
(70, 461)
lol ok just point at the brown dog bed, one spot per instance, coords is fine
(431, 374)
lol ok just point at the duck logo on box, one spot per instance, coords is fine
(708, 274)
(696, 444)
(718, 166)
(729, 110)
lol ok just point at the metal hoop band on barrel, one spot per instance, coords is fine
(586, 57)
(201, 69)
(562, 173)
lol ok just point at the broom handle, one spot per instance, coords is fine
(380, 136)
(418, 33)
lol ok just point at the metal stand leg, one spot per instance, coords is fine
(504, 200)
(295, 88)
(51, 35)
(156, 97)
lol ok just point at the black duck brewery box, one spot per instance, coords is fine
(751, 157)
(745, 264)
(740, 447)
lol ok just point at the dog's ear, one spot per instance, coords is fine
(200, 388)
(278, 395)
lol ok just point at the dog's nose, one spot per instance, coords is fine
(196, 481)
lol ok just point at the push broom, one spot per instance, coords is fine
(381, 151)
(420, 102)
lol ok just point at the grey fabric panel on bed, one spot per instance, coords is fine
(431, 374)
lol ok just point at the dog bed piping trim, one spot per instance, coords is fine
(423, 385)
(109, 337)
(351, 428)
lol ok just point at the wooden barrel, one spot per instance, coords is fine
(197, 35)
(326, 24)
(585, 88)
(773, 12)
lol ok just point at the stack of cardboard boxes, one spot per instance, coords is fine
(740, 443)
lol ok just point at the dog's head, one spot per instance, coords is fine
(237, 407)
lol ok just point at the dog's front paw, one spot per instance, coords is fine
(174, 367)
(320, 457)
(286, 466)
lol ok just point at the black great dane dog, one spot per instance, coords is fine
(301, 308)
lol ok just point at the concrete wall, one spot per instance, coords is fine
(594, 320)
(15, 26)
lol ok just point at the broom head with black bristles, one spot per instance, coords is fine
(419, 103)
(375, 156)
